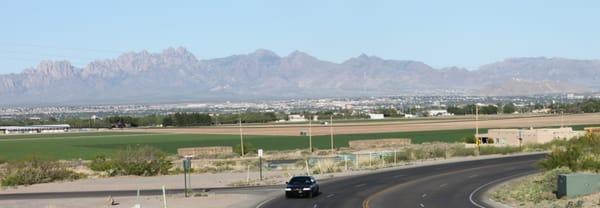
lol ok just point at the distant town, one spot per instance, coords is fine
(403, 106)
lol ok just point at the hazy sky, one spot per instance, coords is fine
(440, 33)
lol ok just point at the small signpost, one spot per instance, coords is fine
(260, 155)
(187, 166)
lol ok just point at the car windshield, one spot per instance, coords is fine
(300, 181)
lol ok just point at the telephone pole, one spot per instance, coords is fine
(477, 126)
(331, 130)
(241, 137)
(310, 134)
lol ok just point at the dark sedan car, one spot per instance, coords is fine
(301, 186)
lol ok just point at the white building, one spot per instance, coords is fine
(376, 116)
(60, 128)
(409, 116)
(516, 137)
(296, 118)
(439, 113)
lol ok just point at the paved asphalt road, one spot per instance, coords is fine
(446, 185)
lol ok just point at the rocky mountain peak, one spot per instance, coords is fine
(175, 74)
(53, 69)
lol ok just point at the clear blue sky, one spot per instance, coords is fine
(441, 33)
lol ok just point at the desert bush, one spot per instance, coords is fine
(101, 163)
(486, 150)
(223, 163)
(325, 166)
(581, 154)
(212, 169)
(139, 160)
(36, 170)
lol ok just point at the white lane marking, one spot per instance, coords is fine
(473, 176)
(422, 205)
(442, 185)
(397, 176)
(360, 185)
(315, 206)
(263, 203)
(330, 195)
(487, 184)
(424, 195)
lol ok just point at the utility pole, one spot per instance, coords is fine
(562, 119)
(310, 134)
(331, 130)
(241, 137)
(477, 127)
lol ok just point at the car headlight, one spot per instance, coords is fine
(306, 189)
(288, 189)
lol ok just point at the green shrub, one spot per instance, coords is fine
(485, 150)
(103, 164)
(248, 147)
(36, 170)
(581, 154)
(139, 160)
(469, 139)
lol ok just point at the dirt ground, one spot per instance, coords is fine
(394, 126)
(173, 201)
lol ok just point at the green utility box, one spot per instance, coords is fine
(577, 184)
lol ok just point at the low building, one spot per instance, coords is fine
(409, 116)
(439, 113)
(516, 137)
(60, 128)
(296, 118)
(376, 116)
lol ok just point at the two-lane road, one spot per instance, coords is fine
(446, 185)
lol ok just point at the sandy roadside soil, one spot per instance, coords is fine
(177, 201)
(421, 125)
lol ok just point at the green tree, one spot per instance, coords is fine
(508, 108)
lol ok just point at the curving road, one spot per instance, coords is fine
(446, 185)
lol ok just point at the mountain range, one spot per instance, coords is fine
(176, 75)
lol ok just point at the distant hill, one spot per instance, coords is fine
(177, 75)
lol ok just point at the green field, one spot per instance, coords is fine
(88, 145)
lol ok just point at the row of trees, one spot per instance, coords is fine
(249, 117)
(587, 106)
(187, 119)
(470, 109)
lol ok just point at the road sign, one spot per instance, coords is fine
(260, 152)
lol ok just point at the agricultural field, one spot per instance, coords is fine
(75, 146)
(88, 145)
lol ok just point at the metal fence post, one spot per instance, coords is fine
(395, 158)
(346, 162)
